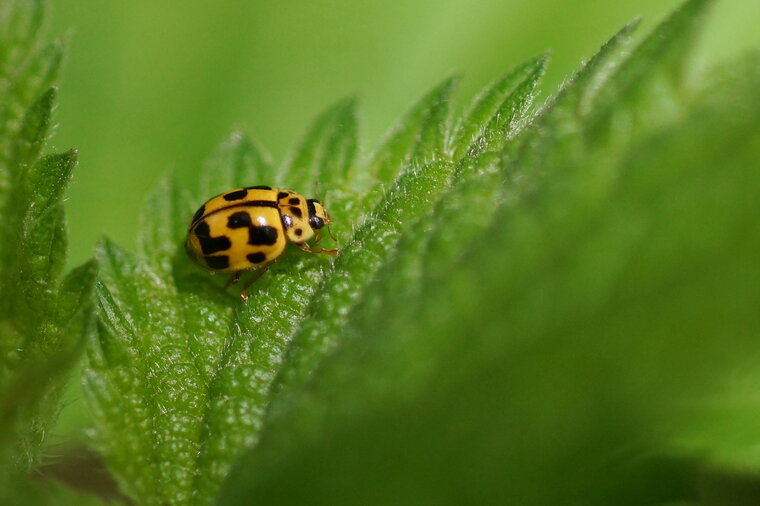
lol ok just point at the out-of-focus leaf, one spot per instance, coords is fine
(20, 23)
(20, 179)
(556, 355)
(44, 319)
(42, 237)
(34, 130)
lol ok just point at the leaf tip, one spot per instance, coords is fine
(81, 278)
(541, 61)
(345, 106)
(65, 161)
(103, 246)
(236, 136)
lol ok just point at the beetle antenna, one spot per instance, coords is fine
(323, 199)
(318, 191)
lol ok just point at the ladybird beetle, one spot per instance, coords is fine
(248, 228)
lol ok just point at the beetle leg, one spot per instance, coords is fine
(262, 270)
(233, 279)
(307, 249)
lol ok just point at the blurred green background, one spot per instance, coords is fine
(151, 86)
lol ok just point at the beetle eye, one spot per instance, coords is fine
(316, 222)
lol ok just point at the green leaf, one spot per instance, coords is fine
(412, 193)
(43, 235)
(496, 106)
(166, 215)
(23, 173)
(75, 310)
(337, 293)
(430, 144)
(578, 347)
(47, 182)
(163, 331)
(566, 110)
(336, 300)
(42, 261)
(720, 425)
(239, 390)
(144, 381)
(20, 23)
(44, 319)
(577, 96)
(453, 222)
(648, 90)
(39, 73)
(517, 313)
(227, 355)
(28, 83)
(52, 354)
(34, 130)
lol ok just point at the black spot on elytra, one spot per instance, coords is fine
(262, 236)
(296, 212)
(210, 244)
(287, 221)
(199, 213)
(298, 232)
(295, 201)
(218, 262)
(239, 219)
(282, 195)
(202, 230)
(260, 187)
(236, 195)
(256, 258)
